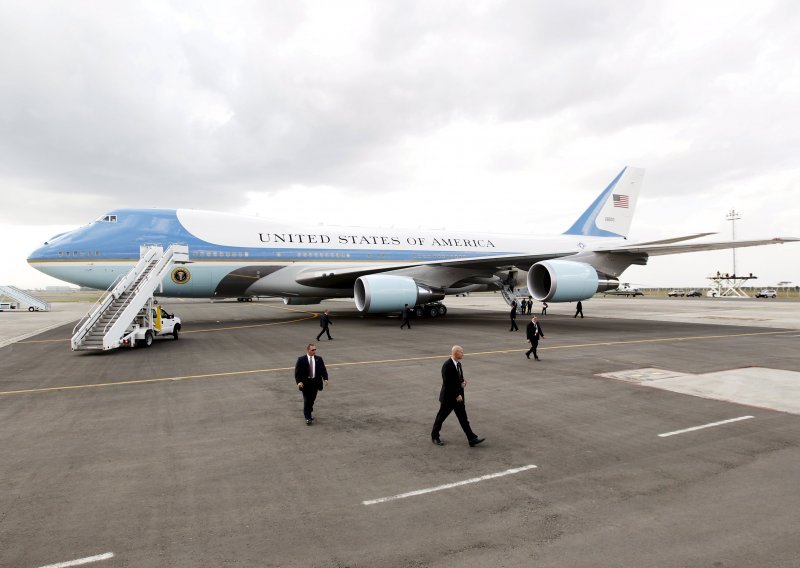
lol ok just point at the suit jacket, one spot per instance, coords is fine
(534, 335)
(513, 310)
(451, 383)
(324, 321)
(301, 371)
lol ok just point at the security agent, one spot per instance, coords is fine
(309, 374)
(451, 398)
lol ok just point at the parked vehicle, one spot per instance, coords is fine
(149, 324)
(676, 293)
(693, 294)
(767, 293)
(5, 306)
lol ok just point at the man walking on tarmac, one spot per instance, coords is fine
(324, 322)
(513, 316)
(406, 315)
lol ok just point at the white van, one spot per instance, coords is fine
(6, 306)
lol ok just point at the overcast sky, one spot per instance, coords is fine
(480, 115)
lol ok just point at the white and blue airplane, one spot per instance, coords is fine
(234, 256)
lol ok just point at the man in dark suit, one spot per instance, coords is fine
(309, 373)
(451, 398)
(513, 316)
(324, 322)
(534, 332)
(578, 310)
(406, 315)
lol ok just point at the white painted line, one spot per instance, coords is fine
(449, 485)
(80, 561)
(705, 426)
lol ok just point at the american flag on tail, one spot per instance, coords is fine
(620, 201)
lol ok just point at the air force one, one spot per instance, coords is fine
(233, 256)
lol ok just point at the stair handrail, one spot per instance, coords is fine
(106, 293)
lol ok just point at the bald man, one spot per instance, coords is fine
(451, 398)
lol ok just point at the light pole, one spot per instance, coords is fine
(732, 216)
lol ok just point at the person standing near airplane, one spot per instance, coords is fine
(534, 332)
(578, 310)
(324, 322)
(513, 315)
(544, 308)
(406, 315)
(451, 398)
(309, 374)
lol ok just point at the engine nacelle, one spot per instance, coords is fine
(566, 281)
(380, 293)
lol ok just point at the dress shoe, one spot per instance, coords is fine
(437, 441)
(536, 358)
(528, 355)
(476, 441)
(308, 422)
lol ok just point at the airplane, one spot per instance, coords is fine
(235, 256)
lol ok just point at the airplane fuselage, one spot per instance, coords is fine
(233, 255)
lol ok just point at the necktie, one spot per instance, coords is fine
(311, 366)
(460, 372)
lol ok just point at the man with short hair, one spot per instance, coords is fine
(406, 315)
(451, 398)
(324, 322)
(513, 315)
(533, 332)
(309, 373)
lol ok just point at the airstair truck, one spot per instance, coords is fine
(151, 322)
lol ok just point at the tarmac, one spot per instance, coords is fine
(654, 432)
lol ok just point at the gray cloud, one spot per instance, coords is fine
(192, 104)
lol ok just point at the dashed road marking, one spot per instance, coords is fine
(711, 425)
(449, 485)
(81, 561)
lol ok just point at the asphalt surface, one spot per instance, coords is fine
(195, 452)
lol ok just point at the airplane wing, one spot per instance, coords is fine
(333, 276)
(338, 276)
(657, 249)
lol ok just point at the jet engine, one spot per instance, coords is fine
(379, 293)
(566, 281)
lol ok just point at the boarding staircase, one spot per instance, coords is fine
(34, 304)
(516, 294)
(106, 323)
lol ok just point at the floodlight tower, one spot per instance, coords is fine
(732, 216)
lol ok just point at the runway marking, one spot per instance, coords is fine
(449, 485)
(81, 561)
(379, 361)
(711, 425)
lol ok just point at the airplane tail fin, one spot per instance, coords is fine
(612, 212)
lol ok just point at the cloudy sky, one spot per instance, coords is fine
(480, 115)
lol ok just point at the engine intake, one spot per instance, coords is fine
(566, 281)
(380, 293)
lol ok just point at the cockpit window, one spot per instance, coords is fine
(107, 219)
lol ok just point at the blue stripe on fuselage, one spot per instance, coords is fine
(120, 240)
